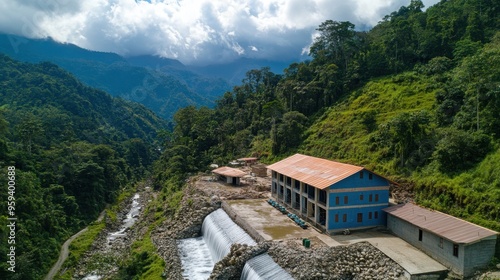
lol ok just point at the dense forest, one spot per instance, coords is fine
(74, 150)
(416, 98)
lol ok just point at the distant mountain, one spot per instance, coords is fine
(161, 84)
(234, 72)
(163, 87)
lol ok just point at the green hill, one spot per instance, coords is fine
(71, 150)
(164, 86)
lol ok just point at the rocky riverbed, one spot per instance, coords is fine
(102, 260)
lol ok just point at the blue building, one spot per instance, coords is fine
(331, 195)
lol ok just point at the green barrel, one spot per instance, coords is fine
(307, 243)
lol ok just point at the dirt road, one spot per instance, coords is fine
(63, 255)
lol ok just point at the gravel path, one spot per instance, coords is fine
(63, 255)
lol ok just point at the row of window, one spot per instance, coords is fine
(371, 215)
(361, 197)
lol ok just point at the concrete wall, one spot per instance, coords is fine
(430, 243)
(478, 255)
(470, 257)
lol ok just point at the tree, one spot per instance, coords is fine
(405, 133)
(459, 150)
(289, 132)
(337, 43)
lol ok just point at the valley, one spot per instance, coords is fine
(412, 102)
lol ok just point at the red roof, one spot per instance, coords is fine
(317, 172)
(446, 226)
(229, 172)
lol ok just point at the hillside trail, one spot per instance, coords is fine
(64, 253)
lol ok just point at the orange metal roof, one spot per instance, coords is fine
(317, 172)
(229, 172)
(446, 226)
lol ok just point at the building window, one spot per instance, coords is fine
(344, 218)
(360, 197)
(441, 243)
(346, 199)
(337, 200)
(420, 235)
(376, 197)
(455, 250)
(370, 197)
(311, 191)
(336, 218)
(360, 217)
(361, 175)
(370, 176)
(376, 215)
(322, 197)
(369, 215)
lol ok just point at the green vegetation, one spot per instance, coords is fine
(144, 263)
(416, 98)
(74, 149)
(78, 248)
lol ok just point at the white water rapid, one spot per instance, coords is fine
(129, 220)
(220, 232)
(263, 267)
(199, 255)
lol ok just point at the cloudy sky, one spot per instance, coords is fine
(193, 31)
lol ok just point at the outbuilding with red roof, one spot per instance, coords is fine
(461, 246)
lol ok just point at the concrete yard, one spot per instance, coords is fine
(410, 258)
(271, 224)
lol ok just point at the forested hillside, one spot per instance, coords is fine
(74, 149)
(417, 98)
(162, 85)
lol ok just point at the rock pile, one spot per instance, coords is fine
(356, 261)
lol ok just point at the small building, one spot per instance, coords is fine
(229, 175)
(331, 195)
(248, 161)
(461, 246)
(259, 170)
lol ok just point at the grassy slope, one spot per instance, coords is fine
(343, 133)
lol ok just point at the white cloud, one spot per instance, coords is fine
(193, 31)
